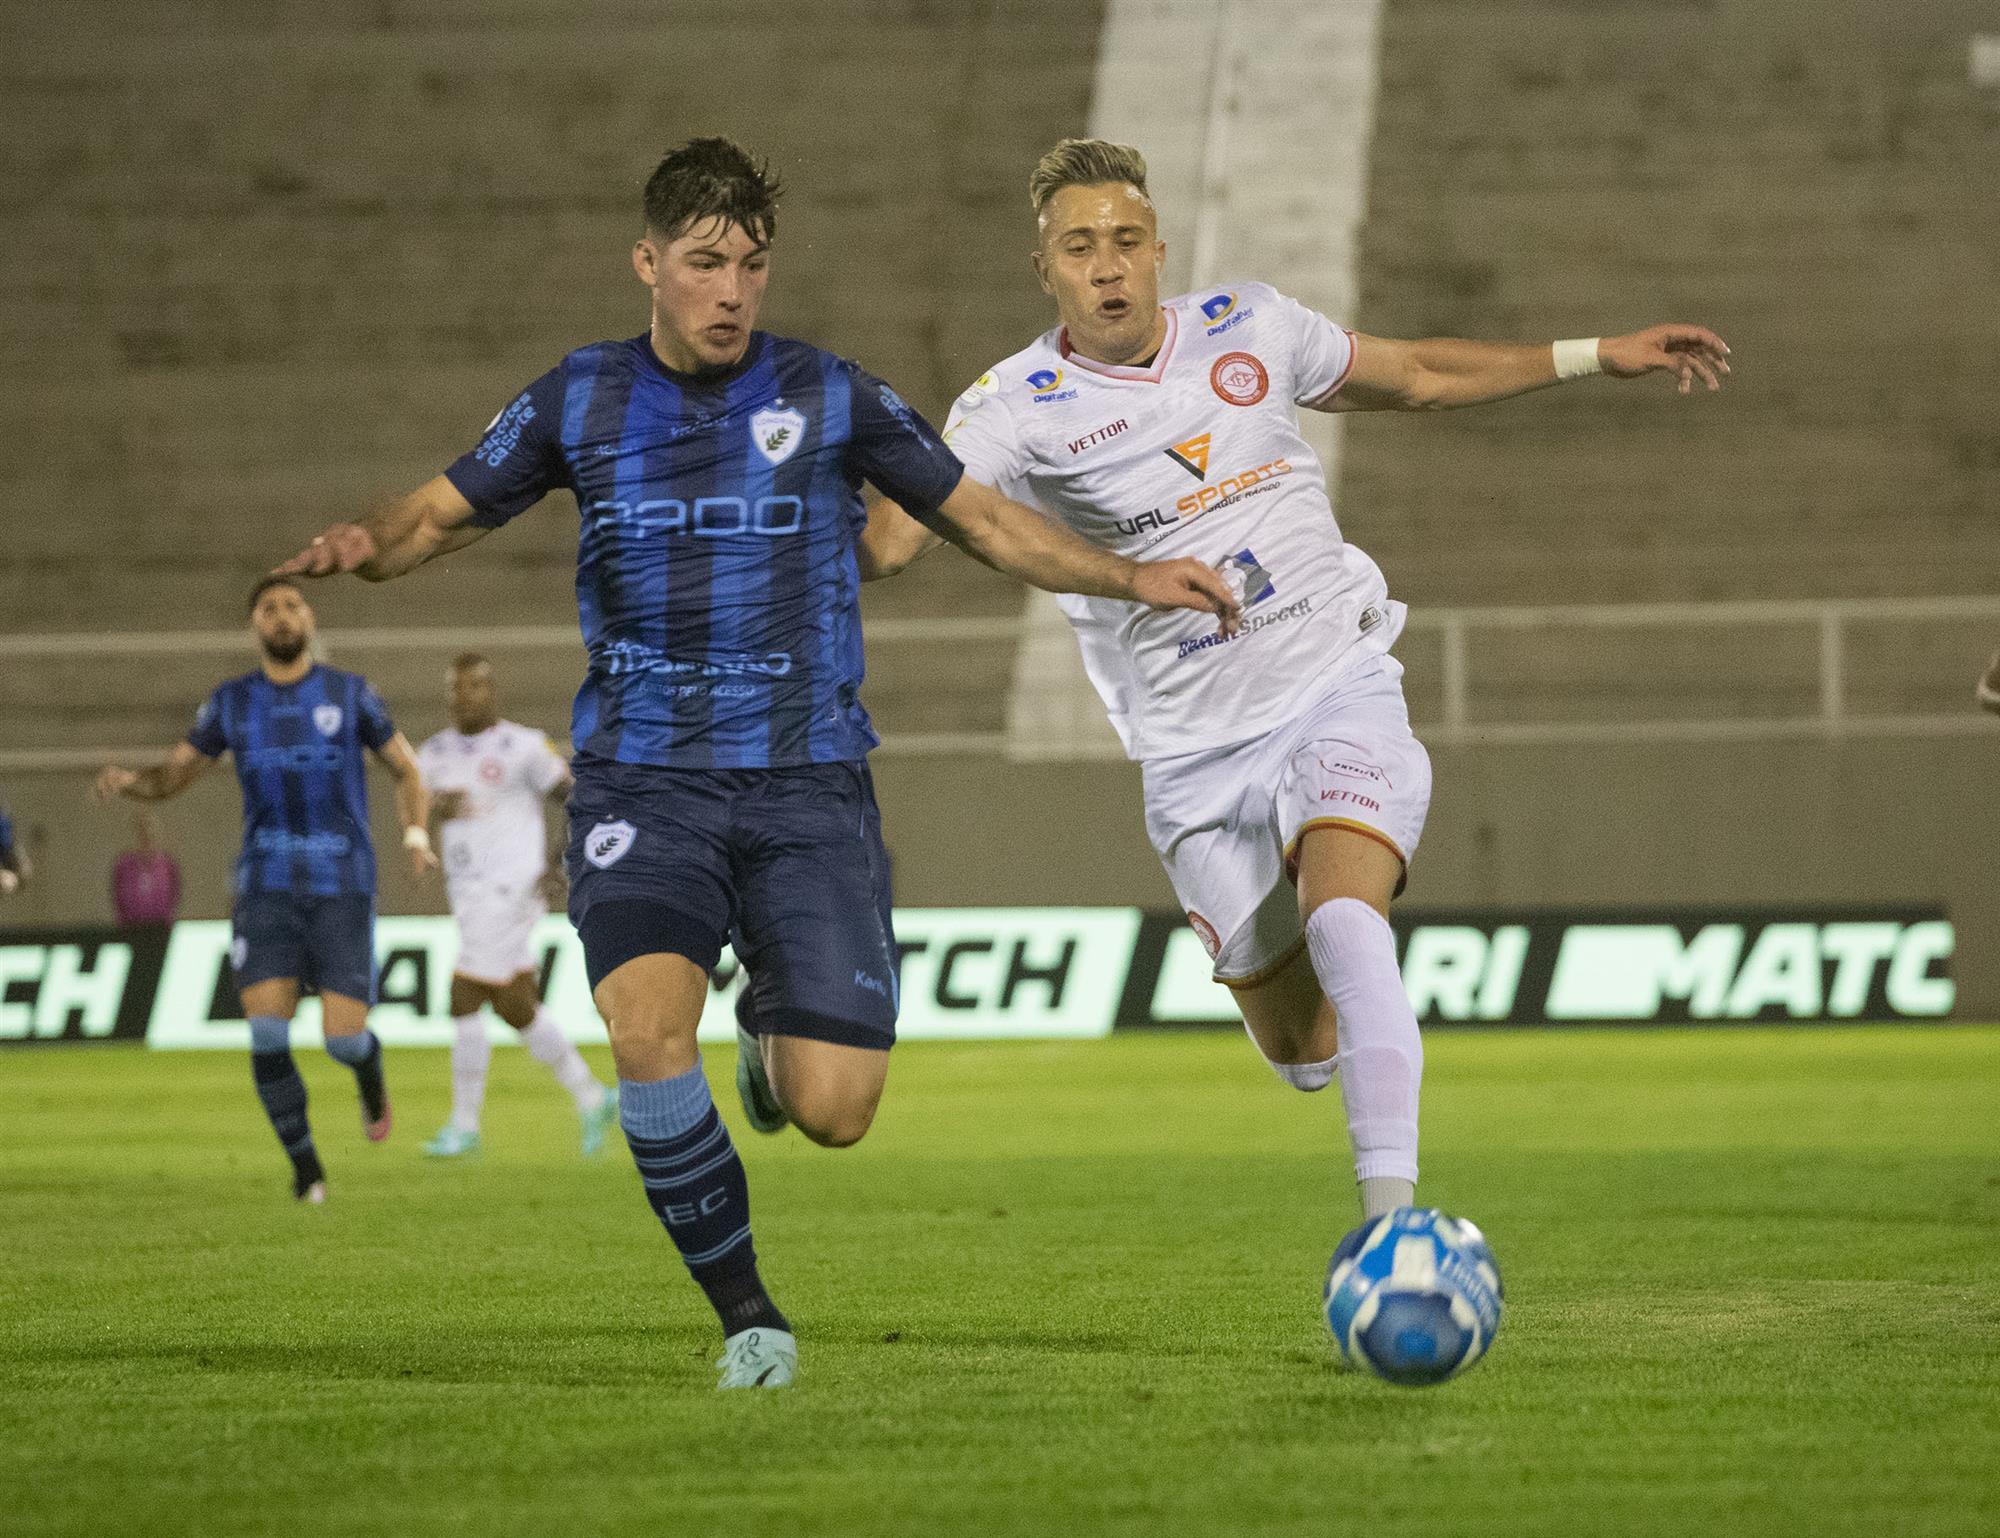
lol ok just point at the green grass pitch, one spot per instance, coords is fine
(1753, 1287)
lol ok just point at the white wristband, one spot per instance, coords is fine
(1577, 357)
(417, 838)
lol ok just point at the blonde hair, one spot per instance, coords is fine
(1084, 163)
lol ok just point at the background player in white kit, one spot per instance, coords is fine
(1284, 790)
(491, 780)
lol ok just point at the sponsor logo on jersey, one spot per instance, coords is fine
(504, 431)
(1355, 771)
(1252, 623)
(1195, 503)
(1103, 434)
(705, 518)
(1191, 456)
(605, 845)
(1221, 314)
(1210, 940)
(1246, 573)
(1047, 383)
(1239, 379)
(1231, 487)
(1371, 617)
(327, 718)
(299, 756)
(778, 430)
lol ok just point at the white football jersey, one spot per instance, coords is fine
(505, 772)
(1198, 454)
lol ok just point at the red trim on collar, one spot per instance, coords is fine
(1151, 375)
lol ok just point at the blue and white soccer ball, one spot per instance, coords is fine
(1414, 1296)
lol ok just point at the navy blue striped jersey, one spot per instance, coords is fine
(305, 784)
(716, 579)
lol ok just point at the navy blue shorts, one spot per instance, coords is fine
(327, 943)
(785, 864)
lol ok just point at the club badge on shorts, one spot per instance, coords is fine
(605, 844)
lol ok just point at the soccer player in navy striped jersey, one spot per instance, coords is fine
(721, 785)
(305, 877)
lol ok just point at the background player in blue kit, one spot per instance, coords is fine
(305, 878)
(721, 779)
(14, 866)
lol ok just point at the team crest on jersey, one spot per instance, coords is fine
(778, 432)
(327, 718)
(1192, 456)
(1239, 379)
(605, 844)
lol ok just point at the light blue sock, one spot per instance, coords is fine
(352, 1050)
(663, 1108)
(696, 1187)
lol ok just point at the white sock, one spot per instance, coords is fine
(545, 1039)
(1306, 1076)
(470, 1054)
(1381, 1061)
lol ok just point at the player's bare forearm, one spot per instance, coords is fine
(1443, 373)
(392, 539)
(413, 797)
(182, 767)
(891, 541)
(1021, 542)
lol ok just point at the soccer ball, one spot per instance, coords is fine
(1413, 1296)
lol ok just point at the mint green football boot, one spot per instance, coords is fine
(452, 1142)
(597, 1124)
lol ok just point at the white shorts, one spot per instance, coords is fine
(1227, 822)
(496, 930)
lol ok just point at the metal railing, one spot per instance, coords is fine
(1458, 632)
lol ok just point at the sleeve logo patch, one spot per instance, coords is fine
(778, 432)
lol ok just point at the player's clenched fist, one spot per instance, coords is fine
(1186, 583)
(342, 548)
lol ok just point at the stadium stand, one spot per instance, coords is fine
(240, 305)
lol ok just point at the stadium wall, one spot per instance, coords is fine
(305, 330)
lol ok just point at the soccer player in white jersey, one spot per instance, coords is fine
(1284, 790)
(490, 782)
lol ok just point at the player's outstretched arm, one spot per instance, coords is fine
(892, 540)
(413, 801)
(394, 539)
(183, 766)
(1439, 373)
(1021, 542)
